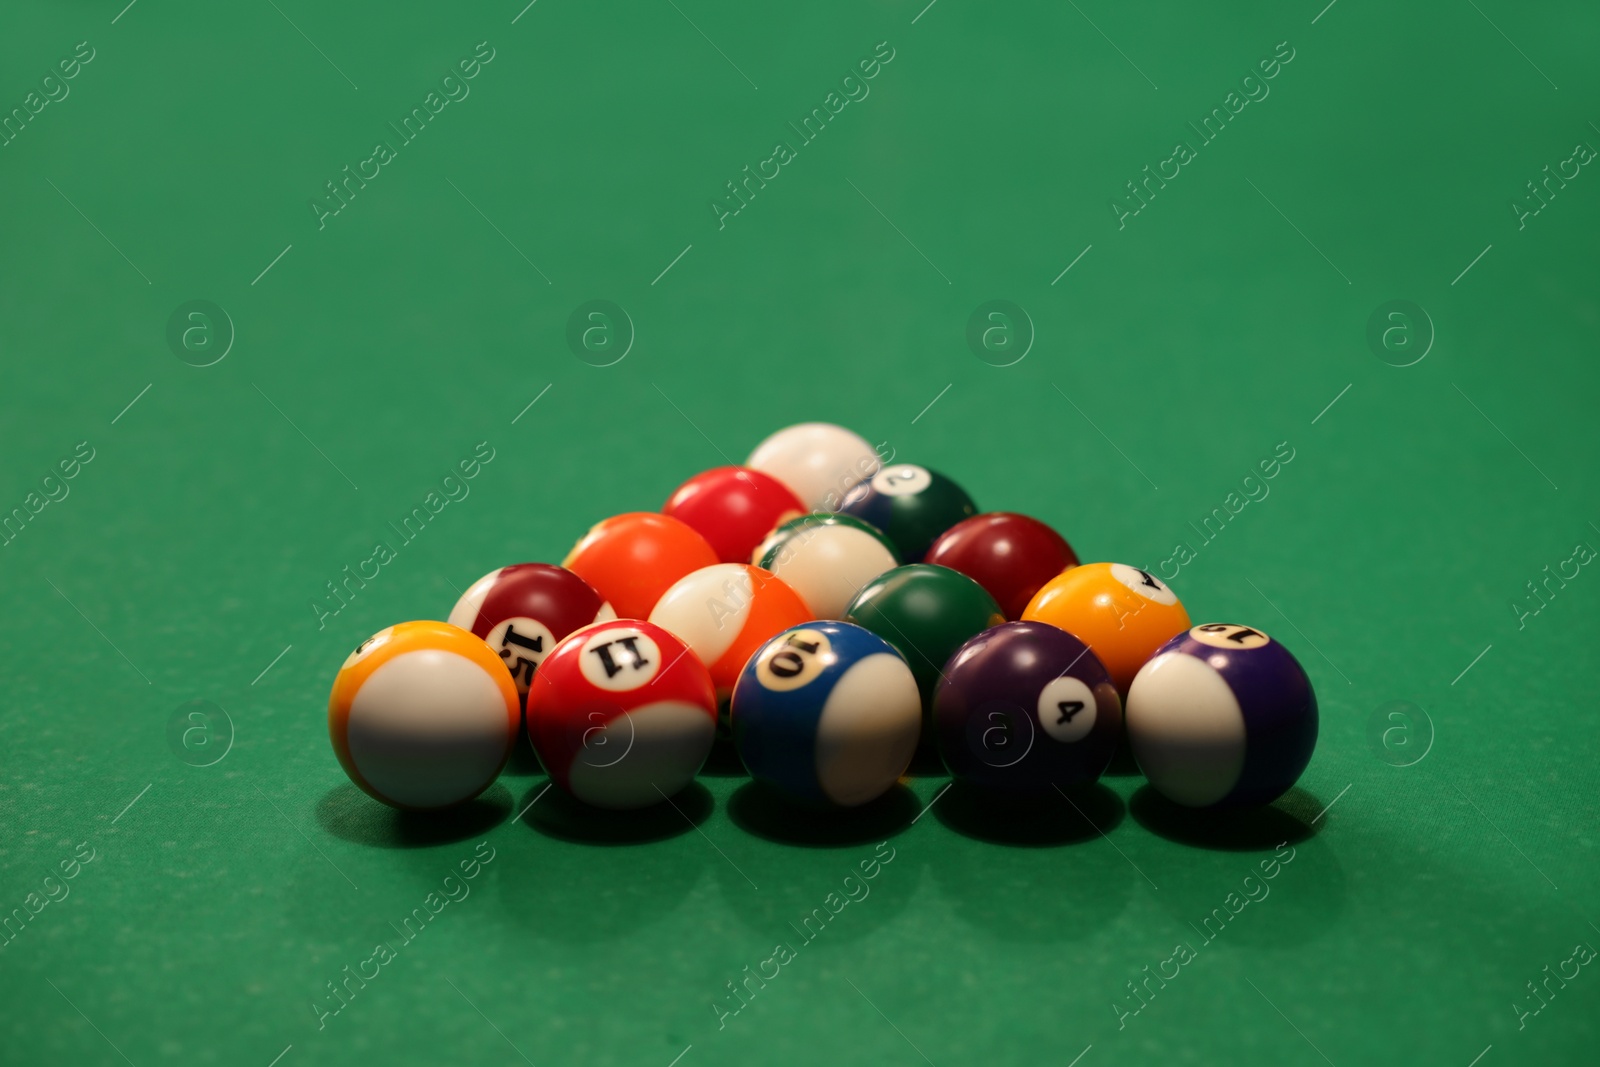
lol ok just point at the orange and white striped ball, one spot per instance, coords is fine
(423, 715)
(724, 613)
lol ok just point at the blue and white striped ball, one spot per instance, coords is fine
(1221, 716)
(827, 713)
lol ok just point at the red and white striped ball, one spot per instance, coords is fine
(622, 714)
(724, 613)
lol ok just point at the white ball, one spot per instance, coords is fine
(818, 461)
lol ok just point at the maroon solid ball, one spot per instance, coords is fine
(734, 508)
(1010, 555)
(521, 611)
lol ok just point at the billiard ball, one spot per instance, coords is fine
(926, 612)
(423, 715)
(632, 559)
(621, 714)
(725, 612)
(733, 508)
(826, 559)
(521, 611)
(818, 461)
(1121, 612)
(1222, 716)
(912, 505)
(1026, 707)
(827, 714)
(1010, 555)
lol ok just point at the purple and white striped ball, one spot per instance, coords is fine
(1222, 716)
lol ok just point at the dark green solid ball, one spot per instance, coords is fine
(927, 612)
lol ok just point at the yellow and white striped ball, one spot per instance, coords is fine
(423, 715)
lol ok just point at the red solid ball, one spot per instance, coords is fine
(1010, 555)
(734, 508)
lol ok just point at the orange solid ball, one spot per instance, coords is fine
(1123, 613)
(632, 559)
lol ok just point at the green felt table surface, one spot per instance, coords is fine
(1234, 304)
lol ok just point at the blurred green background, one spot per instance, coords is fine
(1143, 366)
